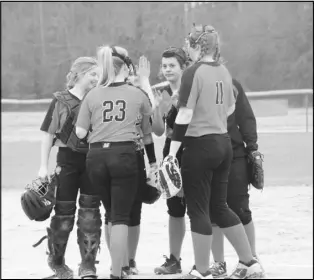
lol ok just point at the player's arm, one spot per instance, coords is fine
(146, 105)
(84, 118)
(144, 74)
(158, 124)
(148, 139)
(245, 118)
(188, 94)
(49, 127)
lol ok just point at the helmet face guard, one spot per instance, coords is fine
(39, 198)
(197, 32)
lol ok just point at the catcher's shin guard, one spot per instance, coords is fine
(58, 235)
(89, 234)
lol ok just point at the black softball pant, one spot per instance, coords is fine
(205, 169)
(238, 190)
(135, 216)
(113, 170)
(237, 194)
(72, 178)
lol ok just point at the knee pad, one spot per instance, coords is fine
(223, 216)
(176, 207)
(89, 220)
(135, 216)
(61, 226)
(242, 211)
(64, 208)
(89, 201)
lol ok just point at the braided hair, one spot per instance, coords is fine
(208, 39)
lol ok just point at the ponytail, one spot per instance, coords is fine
(107, 71)
(109, 65)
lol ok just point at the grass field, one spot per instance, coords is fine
(283, 212)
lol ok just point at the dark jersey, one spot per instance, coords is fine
(242, 123)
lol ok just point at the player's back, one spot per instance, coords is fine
(114, 112)
(214, 98)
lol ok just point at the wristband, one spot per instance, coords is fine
(149, 148)
(179, 132)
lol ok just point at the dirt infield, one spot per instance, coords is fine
(283, 218)
(283, 213)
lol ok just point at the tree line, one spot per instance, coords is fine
(266, 45)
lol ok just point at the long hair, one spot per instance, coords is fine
(109, 65)
(78, 68)
(209, 41)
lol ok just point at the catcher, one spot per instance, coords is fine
(59, 130)
(246, 168)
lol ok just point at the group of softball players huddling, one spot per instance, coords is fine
(103, 123)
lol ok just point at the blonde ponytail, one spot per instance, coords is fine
(105, 60)
(109, 64)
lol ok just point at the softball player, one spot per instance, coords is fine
(242, 129)
(205, 101)
(174, 61)
(146, 143)
(58, 128)
(111, 109)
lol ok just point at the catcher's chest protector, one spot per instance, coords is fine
(67, 133)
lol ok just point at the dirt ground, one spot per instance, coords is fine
(283, 212)
(282, 215)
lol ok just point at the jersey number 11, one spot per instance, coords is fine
(219, 86)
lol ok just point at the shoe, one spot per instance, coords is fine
(61, 271)
(263, 270)
(218, 270)
(133, 267)
(195, 274)
(87, 272)
(243, 271)
(171, 266)
(125, 272)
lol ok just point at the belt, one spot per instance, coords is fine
(106, 145)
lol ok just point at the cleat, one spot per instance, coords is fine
(218, 270)
(133, 267)
(195, 274)
(171, 266)
(243, 271)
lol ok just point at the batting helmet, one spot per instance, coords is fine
(39, 198)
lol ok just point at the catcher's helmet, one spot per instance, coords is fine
(150, 194)
(170, 178)
(39, 198)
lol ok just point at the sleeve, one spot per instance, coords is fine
(84, 116)
(146, 125)
(245, 118)
(146, 106)
(189, 89)
(52, 118)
